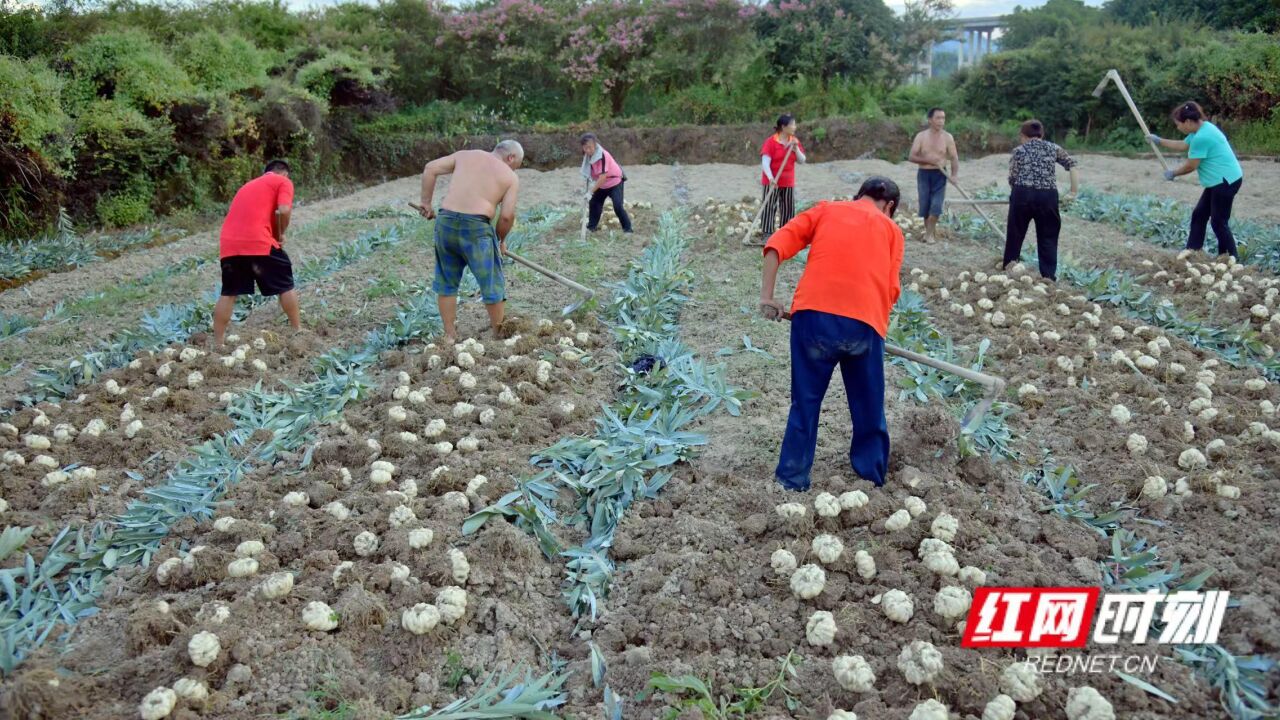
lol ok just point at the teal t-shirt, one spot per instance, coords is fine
(1218, 163)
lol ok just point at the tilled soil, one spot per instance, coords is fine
(694, 591)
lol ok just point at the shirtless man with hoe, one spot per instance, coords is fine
(930, 150)
(464, 232)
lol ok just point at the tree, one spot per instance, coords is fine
(1060, 18)
(613, 45)
(1257, 15)
(829, 38)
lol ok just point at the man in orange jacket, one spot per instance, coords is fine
(840, 314)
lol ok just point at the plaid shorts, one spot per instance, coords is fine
(468, 241)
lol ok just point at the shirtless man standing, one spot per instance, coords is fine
(930, 150)
(464, 231)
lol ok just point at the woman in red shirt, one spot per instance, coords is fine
(783, 208)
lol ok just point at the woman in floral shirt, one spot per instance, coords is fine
(1033, 196)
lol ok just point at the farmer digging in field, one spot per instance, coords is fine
(606, 178)
(840, 314)
(464, 232)
(1210, 156)
(780, 170)
(1033, 197)
(251, 247)
(931, 149)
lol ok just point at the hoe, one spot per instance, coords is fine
(1114, 76)
(587, 293)
(994, 385)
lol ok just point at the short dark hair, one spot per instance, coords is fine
(1189, 111)
(784, 120)
(582, 140)
(276, 166)
(1032, 129)
(931, 112)
(880, 188)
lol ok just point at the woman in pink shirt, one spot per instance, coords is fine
(606, 178)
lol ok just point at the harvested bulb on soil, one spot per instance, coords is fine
(865, 564)
(945, 527)
(938, 557)
(244, 567)
(808, 581)
(1155, 487)
(249, 548)
(365, 544)
(1191, 459)
(420, 538)
(319, 616)
(790, 511)
(821, 629)
(191, 689)
(400, 516)
(1085, 703)
(897, 606)
(1021, 682)
(853, 500)
(897, 521)
(452, 604)
(337, 510)
(920, 662)
(1001, 707)
(277, 585)
(203, 648)
(915, 506)
(828, 548)
(930, 710)
(157, 704)
(1121, 414)
(421, 618)
(783, 561)
(853, 673)
(460, 568)
(1136, 444)
(952, 602)
(295, 499)
(842, 715)
(826, 505)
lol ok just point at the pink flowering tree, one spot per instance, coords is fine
(505, 46)
(612, 44)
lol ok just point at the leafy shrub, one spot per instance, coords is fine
(125, 207)
(223, 62)
(126, 65)
(441, 117)
(285, 113)
(917, 99)
(320, 76)
(1239, 75)
(701, 104)
(120, 142)
(31, 114)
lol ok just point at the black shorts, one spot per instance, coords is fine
(273, 273)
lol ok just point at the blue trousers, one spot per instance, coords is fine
(819, 342)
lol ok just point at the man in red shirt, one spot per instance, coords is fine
(251, 246)
(840, 315)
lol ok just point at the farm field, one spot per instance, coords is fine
(359, 522)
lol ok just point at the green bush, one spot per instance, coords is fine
(1237, 75)
(125, 65)
(125, 207)
(438, 118)
(31, 115)
(119, 142)
(701, 104)
(917, 99)
(321, 75)
(223, 62)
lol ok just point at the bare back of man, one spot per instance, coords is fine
(931, 149)
(482, 181)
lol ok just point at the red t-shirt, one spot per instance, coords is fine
(247, 227)
(776, 151)
(855, 255)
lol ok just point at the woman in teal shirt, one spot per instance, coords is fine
(1210, 156)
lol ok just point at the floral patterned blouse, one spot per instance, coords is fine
(1031, 164)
